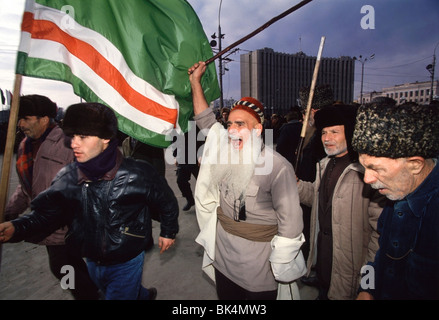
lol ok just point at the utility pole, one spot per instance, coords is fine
(220, 58)
(363, 60)
(431, 68)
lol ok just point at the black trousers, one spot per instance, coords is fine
(228, 290)
(59, 256)
(184, 172)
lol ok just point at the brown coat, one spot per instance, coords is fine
(51, 157)
(356, 208)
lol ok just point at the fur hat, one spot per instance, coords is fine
(338, 114)
(36, 105)
(251, 105)
(323, 96)
(90, 119)
(397, 131)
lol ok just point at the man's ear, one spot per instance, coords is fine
(415, 164)
(258, 127)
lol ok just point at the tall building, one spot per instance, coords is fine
(275, 78)
(418, 92)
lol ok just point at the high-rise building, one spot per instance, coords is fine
(275, 78)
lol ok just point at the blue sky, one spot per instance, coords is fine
(404, 37)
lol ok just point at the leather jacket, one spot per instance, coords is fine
(109, 220)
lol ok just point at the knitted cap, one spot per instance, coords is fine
(36, 105)
(90, 119)
(251, 105)
(397, 131)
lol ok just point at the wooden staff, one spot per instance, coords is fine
(308, 106)
(9, 149)
(264, 26)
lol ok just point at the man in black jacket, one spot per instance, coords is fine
(107, 201)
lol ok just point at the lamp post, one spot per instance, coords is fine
(430, 68)
(220, 59)
(363, 61)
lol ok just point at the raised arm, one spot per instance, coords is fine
(195, 74)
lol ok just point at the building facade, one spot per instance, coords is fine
(275, 78)
(418, 92)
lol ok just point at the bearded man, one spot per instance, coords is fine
(247, 203)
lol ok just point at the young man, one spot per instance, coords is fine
(246, 202)
(41, 154)
(345, 210)
(106, 200)
(399, 147)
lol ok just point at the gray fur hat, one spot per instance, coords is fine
(397, 131)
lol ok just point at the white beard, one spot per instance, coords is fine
(236, 167)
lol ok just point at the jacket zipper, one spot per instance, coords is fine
(131, 234)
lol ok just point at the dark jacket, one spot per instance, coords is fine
(407, 262)
(109, 220)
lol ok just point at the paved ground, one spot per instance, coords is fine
(177, 275)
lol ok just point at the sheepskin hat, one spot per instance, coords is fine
(90, 119)
(397, 131)
(323, 96)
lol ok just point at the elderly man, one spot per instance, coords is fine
(41, 154)
(246, 202)
(398, 147)
(106, 200)
(345, 210)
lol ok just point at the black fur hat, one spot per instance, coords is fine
(397, 131)
(338, 114)
(36, 105)
(90, 119)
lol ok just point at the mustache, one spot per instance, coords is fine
(377, 185)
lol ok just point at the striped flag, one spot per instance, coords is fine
(130, 55)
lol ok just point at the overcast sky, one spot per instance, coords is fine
(403, 35)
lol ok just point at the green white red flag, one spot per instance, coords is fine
(130, 55)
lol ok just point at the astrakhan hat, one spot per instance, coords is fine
(397, 131)
(323, 96)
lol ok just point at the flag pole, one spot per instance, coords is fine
(261, 28)
(9, 149)
(309, 104)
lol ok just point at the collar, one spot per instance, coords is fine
(108, 175)
(418, 199)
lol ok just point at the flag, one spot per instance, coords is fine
(130, 55)
(2, 96)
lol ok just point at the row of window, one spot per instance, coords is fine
(407, 94)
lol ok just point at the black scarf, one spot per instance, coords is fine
(97, 167)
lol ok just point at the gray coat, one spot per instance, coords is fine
(356, 208)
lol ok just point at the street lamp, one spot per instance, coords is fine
(363, 60)
(430, 69)
(220, 59)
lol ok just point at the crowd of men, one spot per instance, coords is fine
(360, 194)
